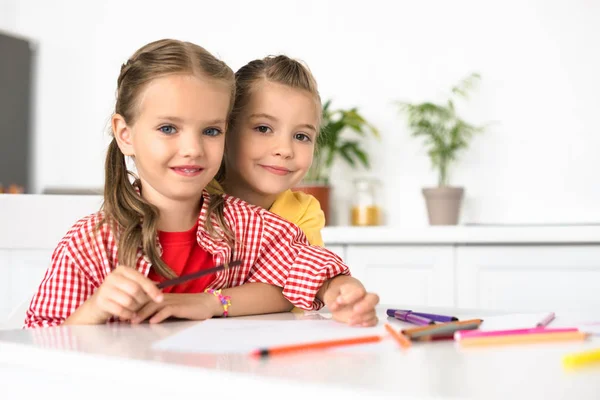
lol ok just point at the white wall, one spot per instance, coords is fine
(539, 63)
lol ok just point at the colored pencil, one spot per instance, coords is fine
(526, 338)
(402, 340)
(434, 317)
(459, 335)
(544, 322)
(412, 318)
(581, 359)
(294, 348)
(196, 275)
(433, 338)
(411, 331)
(444, 329)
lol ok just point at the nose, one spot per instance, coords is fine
(283, 147)
(191, 145)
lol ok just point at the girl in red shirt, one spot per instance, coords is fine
(173, 101)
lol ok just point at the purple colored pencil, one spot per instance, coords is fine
(435, 317)
(391, 312)
(408, 316)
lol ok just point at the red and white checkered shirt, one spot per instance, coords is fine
(272, 250)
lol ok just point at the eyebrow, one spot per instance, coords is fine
(272, 118)
(263, 115)
(180, 120)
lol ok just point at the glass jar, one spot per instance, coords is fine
(365, 208)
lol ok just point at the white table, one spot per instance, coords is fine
(109, 360)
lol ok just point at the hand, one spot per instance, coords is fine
(122, 294)
(350, 303)
(196, 306)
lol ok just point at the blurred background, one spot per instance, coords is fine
(538, 61)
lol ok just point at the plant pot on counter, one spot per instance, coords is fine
(321, 192)
(443, 204)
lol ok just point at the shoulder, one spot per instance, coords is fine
(239, 212)
(87, 230)
(295, 206)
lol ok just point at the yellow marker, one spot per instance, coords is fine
(579, 359)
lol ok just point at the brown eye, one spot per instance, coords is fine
(263, 129)
(303, 137)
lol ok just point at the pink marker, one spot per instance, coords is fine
(458, 335)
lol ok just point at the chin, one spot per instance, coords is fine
(270, 191)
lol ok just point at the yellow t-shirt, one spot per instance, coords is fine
(302, 210)
(299, 208)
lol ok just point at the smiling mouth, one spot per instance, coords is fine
(276, 170)
(187, 171)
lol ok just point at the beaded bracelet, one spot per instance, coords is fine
(225, 300)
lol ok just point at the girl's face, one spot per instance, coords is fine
(273, 142)
(177, 138)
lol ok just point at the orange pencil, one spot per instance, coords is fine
(272, 351)
(402, 340)
(527, 338)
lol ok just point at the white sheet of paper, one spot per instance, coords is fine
(231, 335)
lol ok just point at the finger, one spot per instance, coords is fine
(350, 294)
(129, 288)
(145, 312)
(371, 322)
(368, 302)
(163, 314)
(134, 290)
(357, 319)
(146, 284)
(334, 306)
(116, 295)
(117, 310)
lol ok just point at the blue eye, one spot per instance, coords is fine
(262, 129)
(167, 129)
(303, 137)
(212, 132)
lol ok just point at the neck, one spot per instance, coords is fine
(238, 188)
(178, 216)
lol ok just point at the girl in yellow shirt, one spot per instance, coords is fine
(271, 139)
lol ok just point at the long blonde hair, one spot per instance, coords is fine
(277, 69)
(133, 219)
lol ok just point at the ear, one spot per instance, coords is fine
(122, 133)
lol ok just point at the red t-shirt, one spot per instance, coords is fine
(183, 254)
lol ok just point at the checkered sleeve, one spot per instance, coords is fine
(66, 284)
(286, 259)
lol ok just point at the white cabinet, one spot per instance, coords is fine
(528, 277)
(5, 284)
(22, 271)
(339, 250)
(405, 275)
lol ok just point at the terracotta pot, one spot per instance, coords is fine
(443, 204)
(322, 193)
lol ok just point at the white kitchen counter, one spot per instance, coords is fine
(496, 234)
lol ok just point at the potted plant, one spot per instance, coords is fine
(445, 135)
(332, 144)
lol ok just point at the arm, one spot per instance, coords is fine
(286, 259)
(247, 299)
(349, 301)
(49, 305)
(255, 298)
